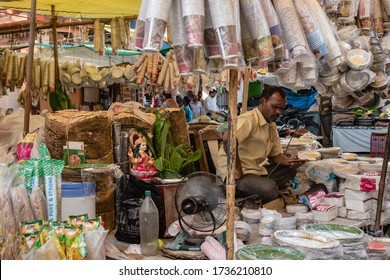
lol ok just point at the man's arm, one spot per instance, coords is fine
(285, 161)
(237, 168)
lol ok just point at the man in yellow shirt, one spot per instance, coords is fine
(258, 140)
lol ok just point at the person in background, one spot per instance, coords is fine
(179, 101)
(211, 102)
(156, 100)
(195, 105)
(187, 109)
(169, 102)
(257, 141)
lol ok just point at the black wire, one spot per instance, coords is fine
(284, 154)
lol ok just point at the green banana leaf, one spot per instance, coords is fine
(191, 159)
(169, 174)
(59, 100)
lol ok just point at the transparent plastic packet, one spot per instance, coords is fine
(210, 37)
(267, 252)
(258, 27)
(248, 44)
(200, 63)
(95, 243)
(184, 55)
(378, 17)
(184, 59)
(215, 65)
(104, 178)
(313, 246)
(311, 30)
(238, 62)
(366, 10)
(289, 20)
(193, 13)
(9, 237)
(274, 24)
(333, 56)
(20, 197)
(346, 11)
(224, 25)
(139, 32)
(156, 22)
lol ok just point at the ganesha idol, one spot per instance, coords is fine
(141, 158)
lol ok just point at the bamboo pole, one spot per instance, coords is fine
(232, 142)
(55, 42)
(59, 25)
(30, 63)
(382, 182)
(245, 90)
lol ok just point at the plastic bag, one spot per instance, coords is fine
(132, 195)
(193, 13)
(139, 33)
(103, 177)
(95, 244)
(9, 238)
(156, 20)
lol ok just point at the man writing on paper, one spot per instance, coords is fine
(258, 140)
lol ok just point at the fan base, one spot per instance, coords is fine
(194, 241)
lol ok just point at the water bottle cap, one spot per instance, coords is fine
(147, 193)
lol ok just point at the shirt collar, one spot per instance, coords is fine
(261, 118)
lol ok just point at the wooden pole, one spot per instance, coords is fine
(63, 24)
(30, 63)
(55, 42)
(232, 142)
(245, 90)
(382, 182)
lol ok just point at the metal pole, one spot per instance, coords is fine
(30, 62)
(232, 142)
(382, 181)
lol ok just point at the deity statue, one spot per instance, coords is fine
(141, 158)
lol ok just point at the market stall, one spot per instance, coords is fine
(288, 43)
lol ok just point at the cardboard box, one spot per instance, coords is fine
(358, 205)
(74, 153)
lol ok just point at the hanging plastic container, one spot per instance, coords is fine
(210, 37)
(184, 55)
(310, 28)
(365, 14)
(258, 28)
(224, 25)
(78, 198)
(193, 13)
(247, 43)
(139, 32)
(333, 57)
(294, 36)
(273, 23)
(155, 24)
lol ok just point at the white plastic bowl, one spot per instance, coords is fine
(358, 59)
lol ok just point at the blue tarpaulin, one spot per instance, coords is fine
(301, 100)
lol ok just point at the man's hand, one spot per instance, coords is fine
(294, 162)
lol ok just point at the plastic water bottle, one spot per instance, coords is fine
(148, 224)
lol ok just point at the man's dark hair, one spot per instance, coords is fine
(186, 100)
(268, 91)
(189, 93)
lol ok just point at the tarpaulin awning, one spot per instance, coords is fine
(79, 8)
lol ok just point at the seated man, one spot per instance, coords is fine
(257, 140)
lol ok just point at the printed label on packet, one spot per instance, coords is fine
(51, 195)
(367, 184)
